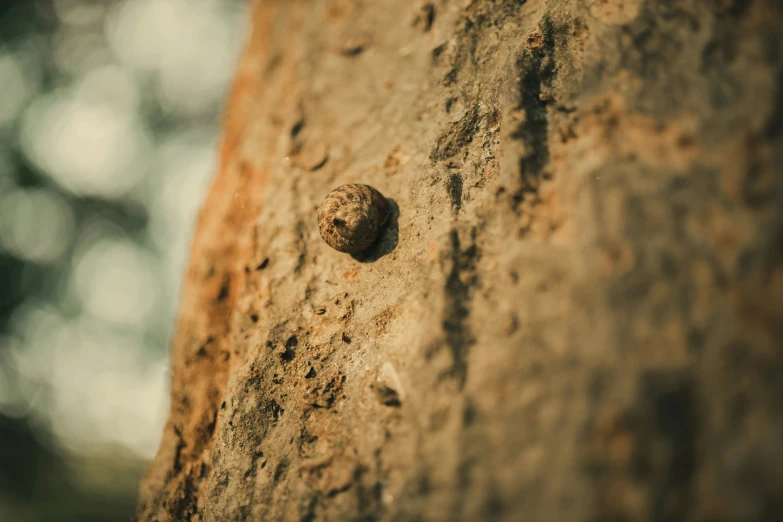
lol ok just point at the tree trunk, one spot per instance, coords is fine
(575, 311)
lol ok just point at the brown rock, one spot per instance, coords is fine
(579, 292)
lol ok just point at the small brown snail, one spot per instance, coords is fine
(351, 217)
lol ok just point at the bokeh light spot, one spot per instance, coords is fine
(115, 280)
(16, 89)
(87, 148)
(35, 224)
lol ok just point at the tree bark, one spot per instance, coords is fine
(575, 311)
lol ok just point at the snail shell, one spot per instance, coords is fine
(351, 216)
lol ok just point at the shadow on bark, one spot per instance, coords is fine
(387, 240)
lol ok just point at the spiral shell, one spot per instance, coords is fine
(351, 217)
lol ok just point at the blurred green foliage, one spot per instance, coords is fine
(109, 112)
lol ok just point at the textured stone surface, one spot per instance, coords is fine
(575, 312)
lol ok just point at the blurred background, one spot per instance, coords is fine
(109, 117)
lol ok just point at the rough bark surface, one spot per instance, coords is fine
(575, 312)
